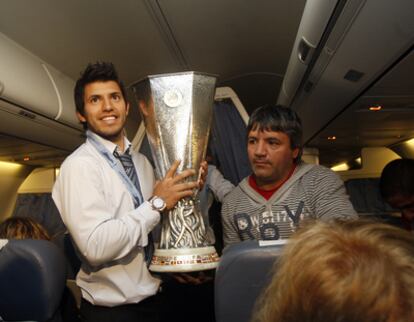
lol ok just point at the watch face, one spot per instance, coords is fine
(158, 203)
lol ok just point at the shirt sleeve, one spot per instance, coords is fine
(100, 236)
(330, 198)
(219, 186)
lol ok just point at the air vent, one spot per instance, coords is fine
(353, 75)
(27, 114)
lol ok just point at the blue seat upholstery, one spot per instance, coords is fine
(244, 271)
(365, 196)
(32, 280)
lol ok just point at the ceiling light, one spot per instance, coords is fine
(26, 158)
(410, 142)
(332, 138)
(375, 108)
(340, 167)
(4, 165)
(57, 171)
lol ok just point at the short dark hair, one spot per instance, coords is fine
(97, 72)
(278, 118)
(397, 178)
(22, 228)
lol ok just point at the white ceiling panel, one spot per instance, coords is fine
(234, 37)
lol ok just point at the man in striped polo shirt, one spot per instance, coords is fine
(282, 190)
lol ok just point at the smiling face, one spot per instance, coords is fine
(105, 110)
(271, 157)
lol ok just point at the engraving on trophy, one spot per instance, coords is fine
(185, 229)
(173, 98)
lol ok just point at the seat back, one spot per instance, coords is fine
(32, 279)
(364, 193)
(244, 271)
(365, 196)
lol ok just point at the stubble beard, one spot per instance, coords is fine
(110, 135)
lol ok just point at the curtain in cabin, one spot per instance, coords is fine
(228, 142)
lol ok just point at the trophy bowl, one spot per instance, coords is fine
(177, 110)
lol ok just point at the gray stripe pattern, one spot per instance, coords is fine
(313, 191)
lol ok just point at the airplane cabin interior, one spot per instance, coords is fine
(345, 66)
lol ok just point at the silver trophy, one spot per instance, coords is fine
(177, 110)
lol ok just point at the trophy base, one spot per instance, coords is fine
(184, 260)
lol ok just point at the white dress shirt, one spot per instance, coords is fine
(109, 233)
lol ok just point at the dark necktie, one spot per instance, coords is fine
(126, 161)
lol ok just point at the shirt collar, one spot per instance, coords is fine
(110, 145)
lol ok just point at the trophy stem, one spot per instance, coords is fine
(183, 227)
(183, 246)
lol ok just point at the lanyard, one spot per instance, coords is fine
(116, 165)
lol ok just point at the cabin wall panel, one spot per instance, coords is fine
(11, 177)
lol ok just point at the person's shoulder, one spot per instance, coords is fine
(237, 193)
(80, 157)
(322, 177)
(318, 170)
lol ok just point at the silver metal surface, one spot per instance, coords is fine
(177, 110)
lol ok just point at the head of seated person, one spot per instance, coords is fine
(355, 271)
(22, 228)
(28, 228)
(397, 188)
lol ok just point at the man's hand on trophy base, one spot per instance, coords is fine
(172, 188)
(193, 278)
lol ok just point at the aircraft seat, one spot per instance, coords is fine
(365, 196)
(32, 280)
(244, 271)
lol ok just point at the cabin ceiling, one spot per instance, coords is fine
(357, 127)
(246, 43)
(240, 41)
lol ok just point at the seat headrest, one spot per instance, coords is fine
(32, 279)
(365, 196)
(244, 271)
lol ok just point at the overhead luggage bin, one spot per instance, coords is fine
(36, 100)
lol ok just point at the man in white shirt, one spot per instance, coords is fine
(110, 207)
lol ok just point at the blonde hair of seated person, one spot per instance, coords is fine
(22, 228)
(353, 271)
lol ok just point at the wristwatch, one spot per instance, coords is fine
(157, 203)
